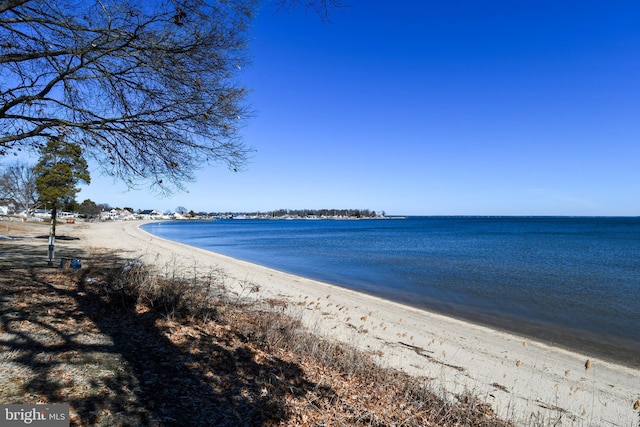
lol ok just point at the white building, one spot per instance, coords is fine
(6, 207)
(152, 214)
(117, 215)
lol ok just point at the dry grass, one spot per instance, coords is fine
(125, 347)
(17, 228)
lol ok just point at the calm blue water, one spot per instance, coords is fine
(568, 281)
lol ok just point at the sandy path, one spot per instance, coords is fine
(526, 381)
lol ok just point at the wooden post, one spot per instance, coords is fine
(52, 236)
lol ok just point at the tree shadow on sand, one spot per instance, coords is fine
(118, 364)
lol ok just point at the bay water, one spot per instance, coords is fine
(570, 282)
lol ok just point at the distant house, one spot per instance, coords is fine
(42, 213)
(108, 215)
(126, 215)
(6, 206)
(66, 215)
(178, 215)
(46, 214)
(117, 215)
(152, 214)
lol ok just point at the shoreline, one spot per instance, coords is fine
(607, 345)
(611, 349)
(523, 379)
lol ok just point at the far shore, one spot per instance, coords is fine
(524, 380)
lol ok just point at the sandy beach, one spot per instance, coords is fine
(528, 382)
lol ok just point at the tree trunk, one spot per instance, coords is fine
(54, 220)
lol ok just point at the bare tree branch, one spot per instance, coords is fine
(322, 8)
(149, 89)
(18, 184)
(10, 4)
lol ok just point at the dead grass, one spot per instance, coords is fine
(125, 347)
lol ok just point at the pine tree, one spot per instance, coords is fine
(58, 172)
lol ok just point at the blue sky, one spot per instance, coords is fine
(434, 108)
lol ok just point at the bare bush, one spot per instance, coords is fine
(350, 387)
(125, 287)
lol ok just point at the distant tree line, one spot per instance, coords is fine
(357, 213)
(52, 185)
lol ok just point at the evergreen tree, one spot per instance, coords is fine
(58, 172)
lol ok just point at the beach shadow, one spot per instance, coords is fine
(32, 253)
(117, 365)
